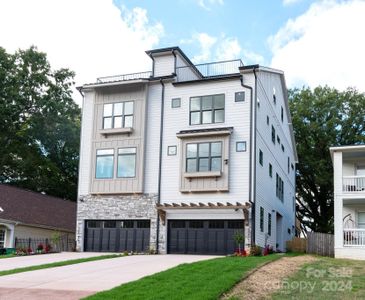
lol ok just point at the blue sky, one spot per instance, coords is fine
(251, 22)
(315, 42)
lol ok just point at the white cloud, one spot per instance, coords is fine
(206, 43)
(290, 2)
(206, 4)
(323, 46)
(228, 48)
(92, 37)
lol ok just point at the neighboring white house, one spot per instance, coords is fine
(349, 198)
(186, 155)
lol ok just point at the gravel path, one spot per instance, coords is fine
(262, 283)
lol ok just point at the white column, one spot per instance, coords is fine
(338, 205)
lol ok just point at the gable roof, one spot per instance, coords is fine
(31, 208)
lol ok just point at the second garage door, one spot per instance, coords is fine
(203, 236)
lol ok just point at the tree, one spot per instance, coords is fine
(322, 118)
(39, 125)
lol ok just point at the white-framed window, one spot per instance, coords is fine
(2, 238)
(118, 115)
(203, 157)
(241, 146)
(104, 164)
(207, 109)
(171, 150)
(175, 102)
(361, 220)
(126, 162)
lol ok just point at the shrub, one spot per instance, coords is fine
(268, 250)
(40, 247)
(48, 248)
(255, 250)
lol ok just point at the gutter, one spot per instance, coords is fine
(253, 233)
(160, 163)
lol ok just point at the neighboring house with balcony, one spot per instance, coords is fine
(349, 201)
(181, 158)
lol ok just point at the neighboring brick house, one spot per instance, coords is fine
(26, 214)
(181, 158)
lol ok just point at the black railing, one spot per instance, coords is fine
(125, 77)
(64, 243)
(209, 70)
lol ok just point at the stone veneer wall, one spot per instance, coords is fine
(119, 207)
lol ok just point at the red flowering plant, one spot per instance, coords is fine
(239, 239)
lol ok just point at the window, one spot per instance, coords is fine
(267, 120)
(292, 166)
(240, 146)
(207, 109)
(171, 150)
(127, 224)
(235, 224)
(104, 163)
(261, 157)
(288, 164)
(239, 97)
(196, 224)
(143, 224)
(175, 103)
(258, 102)
(361, 220)
(118, 115)
(126, 162)
(93, 224)
(204, 157)
(110, 224)
(273, 134)
(262, 212)
(177, 224)
(216, 224)
(270, 170)
(278, 139)
(274, 98)
(282, 148)
(279, 187)
(2, 238)
(269, 224)
(282, 114)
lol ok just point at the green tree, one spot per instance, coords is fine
(322, 118)
(39, 124)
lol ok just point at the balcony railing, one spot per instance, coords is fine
(353, 184)
(354, 237)
(125, 77)
(209, 70)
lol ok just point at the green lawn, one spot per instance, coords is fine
(201, 280)
(58, 264)
(7, 256)
(327, 278)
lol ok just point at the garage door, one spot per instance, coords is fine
(203, 236)
(117, 236)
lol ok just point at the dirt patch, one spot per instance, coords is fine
(36, 294)
(266, 280)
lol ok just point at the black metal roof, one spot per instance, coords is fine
(219, 129)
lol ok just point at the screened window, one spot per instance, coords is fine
(2, 238)
(118, 115)
(269, 224)
(262, 212)
(104, 163)
(127, 162)
(204, 157)
(207, 109)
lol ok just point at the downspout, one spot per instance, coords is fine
(254, 102)
(160, 163)
(250, 163)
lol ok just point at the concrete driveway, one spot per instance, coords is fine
(80, 280)
(35, 260)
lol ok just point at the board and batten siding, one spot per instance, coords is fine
(273, 154)
(86, 143)
(237, 115)
(137, 94)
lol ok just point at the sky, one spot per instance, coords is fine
(313, 42)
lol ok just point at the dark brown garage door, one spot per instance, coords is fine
(117, 236)
(203, 236)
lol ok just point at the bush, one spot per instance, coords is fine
(48, 248)
(40, 247)
(268, 250)
(255, 250)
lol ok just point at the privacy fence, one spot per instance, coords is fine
(315, 243)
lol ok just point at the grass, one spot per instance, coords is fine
(7, 256)
(58, 264)
(327, 278)
(202, 280)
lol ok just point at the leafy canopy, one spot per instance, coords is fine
(39, 124)
(322, 118)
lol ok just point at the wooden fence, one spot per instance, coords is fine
(320, 244)
(297, 245)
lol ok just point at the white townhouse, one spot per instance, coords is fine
(349, 201)
(181, 158)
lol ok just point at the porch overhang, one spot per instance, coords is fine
(162, 209)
